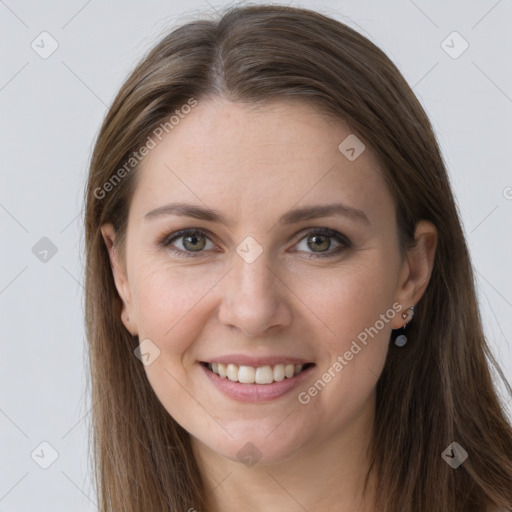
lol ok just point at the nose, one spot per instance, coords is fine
(255, 299)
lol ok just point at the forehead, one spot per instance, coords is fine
(259, 159)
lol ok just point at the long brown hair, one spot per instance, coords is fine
(435, 391)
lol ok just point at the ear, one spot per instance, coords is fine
(120, 278)
(416, 270)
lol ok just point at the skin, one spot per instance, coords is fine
(254, 165)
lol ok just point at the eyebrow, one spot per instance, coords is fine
(291, 217)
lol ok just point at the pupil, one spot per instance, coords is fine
(194, 239)
(318, 241)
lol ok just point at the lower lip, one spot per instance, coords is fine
(256, 392)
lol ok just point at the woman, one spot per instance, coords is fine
(280, 305)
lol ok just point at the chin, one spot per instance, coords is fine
(251, 446)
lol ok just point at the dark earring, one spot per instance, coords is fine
(401, 339)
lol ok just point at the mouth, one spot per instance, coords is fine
(256, 375)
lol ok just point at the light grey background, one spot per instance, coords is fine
(51, 110)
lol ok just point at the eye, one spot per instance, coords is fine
(193, 241)
(320, 238)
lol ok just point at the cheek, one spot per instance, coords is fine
(168, 302)
(355, 307)
(172, 302)
(350, 298)
(332, 308)
(170, 308)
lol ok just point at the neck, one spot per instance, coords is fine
(328, 475)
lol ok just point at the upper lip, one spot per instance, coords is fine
(245, 360)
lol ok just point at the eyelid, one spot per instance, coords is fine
(340, 238)
(166, 240)
(343, 240)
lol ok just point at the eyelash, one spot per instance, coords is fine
(330, 233)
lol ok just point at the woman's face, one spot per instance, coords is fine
(263, 284)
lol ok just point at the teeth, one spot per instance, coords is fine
(264, 375)
(279, 372)
(246, 374)
(221, 369)
(259, 375)
(232, 372)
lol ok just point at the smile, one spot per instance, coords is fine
(256, 375)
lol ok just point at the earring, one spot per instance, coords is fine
(401, 339)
